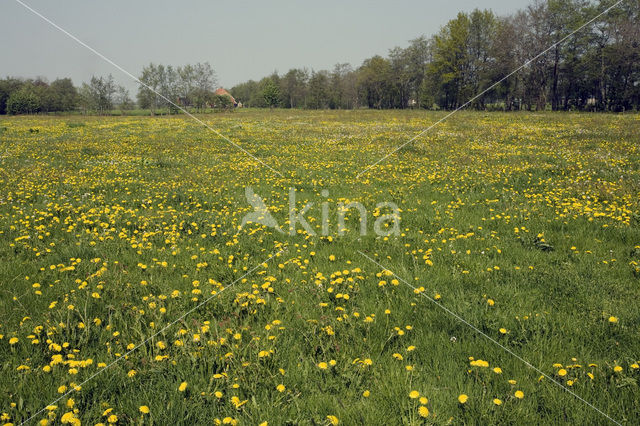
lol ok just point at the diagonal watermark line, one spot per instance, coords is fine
(137, 80)
(491, 339)
(487, 89)
(162, 330)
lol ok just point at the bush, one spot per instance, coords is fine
(222, 102)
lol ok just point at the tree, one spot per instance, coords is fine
(248, 93)
(271, 93)
(7, 87)
(64, 95)
(482, 33)
(451, 65)
(374, 82)
(148, 92)
(24, 101)
(508, 53)
(221, 102)
(293, 88)
(318, 97)
(204, 76)
(123, 100)
(98, 95)
(418, 56)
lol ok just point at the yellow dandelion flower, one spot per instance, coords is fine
(423, 411)
(333, 420)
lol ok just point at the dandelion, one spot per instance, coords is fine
(497, 401)
(333, 420)
(423, 411)
(366, 394)
(280, 388)
(613, 319)
(68, 418)
(144, 409)
(414, 394)
(462, 398)
(322, 365)
(182, 387)
(519, 394)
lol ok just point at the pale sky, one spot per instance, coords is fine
(241, 39)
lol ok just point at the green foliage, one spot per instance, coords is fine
(222, 102)
(271, 93)
(24, 101)
(31, 96)
(98, 95)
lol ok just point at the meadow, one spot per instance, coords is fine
(130, 294)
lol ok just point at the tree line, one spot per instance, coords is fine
(597, 68)
(166, 88)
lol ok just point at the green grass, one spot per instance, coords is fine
(144, 213)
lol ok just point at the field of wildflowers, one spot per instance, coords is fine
(131, 294)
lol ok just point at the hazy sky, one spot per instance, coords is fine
(241, 39)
